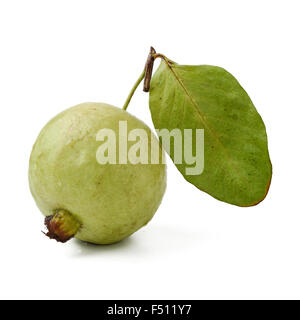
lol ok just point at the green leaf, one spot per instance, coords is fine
(237, 167)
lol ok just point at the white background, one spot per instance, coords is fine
(55, 54)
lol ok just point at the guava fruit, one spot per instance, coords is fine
(97, 203)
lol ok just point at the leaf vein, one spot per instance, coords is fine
(202, 117)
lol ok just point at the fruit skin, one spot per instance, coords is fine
(110, 201)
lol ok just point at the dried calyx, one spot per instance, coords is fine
(62, 225)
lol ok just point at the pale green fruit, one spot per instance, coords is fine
(99, 203)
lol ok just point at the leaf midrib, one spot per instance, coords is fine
(202, 117)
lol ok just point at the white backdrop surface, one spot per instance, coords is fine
(55, 54)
